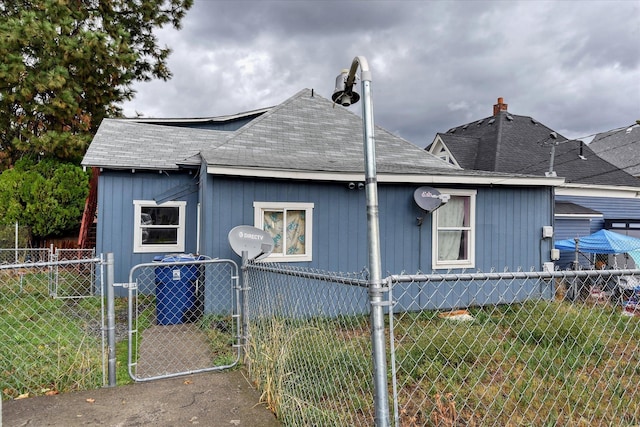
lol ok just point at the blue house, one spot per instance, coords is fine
(296, 170)
(595, 194)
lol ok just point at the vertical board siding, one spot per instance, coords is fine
(508, 223)
(116, 193)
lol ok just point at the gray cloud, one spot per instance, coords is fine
(573, 65)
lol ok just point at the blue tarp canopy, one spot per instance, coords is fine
(601, 242)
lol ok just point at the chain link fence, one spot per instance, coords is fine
(559, 348)
(184, 317)
(309, 348)
(498, 349)
(52, 341)
(25, 255)
(16, 235)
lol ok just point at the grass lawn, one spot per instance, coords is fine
(538, 363)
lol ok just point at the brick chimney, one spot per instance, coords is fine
(500, 106)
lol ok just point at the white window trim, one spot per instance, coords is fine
(258, 218)
(449, 264)
(139, 247)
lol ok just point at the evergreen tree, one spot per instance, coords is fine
(48, 196)
(67, 64)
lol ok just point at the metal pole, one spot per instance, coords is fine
(553, 154)
(373, 237)
(111, 323)
(16, 242)
(244, 315)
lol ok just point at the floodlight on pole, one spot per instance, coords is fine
(345, 95)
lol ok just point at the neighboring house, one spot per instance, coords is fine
(594, 193)
(620, 148)
(296, 169)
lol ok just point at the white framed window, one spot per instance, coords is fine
(454, 230)
(158, 227)
(290, 225)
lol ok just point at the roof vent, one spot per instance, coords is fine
(509, 117)
(581, 155)
(479, 122)
(534, 121)
(465, 126)
(492, 121)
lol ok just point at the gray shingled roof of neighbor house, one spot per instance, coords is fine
(305, 133)
(568, 208)
(620, 147)
(520, 144)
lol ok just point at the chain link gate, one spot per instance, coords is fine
(183, 317)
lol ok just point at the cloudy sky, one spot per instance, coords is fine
(572, 65)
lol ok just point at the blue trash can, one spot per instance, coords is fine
(175, 288)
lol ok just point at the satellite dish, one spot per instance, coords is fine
(427, 198)
(256, 242)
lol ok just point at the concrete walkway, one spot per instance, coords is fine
(209, 399)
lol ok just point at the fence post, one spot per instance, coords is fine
(244, 315)
(111, 323)
(16, 245)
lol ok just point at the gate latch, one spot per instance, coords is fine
(126, 285)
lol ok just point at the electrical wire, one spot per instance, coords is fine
(612, 132)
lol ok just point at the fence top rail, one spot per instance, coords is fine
(194, 262)
(450, 277)
(49, 263)
(310, 274)
(25, 249)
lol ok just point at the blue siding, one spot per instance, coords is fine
(610, 207)
(116, 192)
(509, 223)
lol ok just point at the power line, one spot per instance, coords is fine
(611, 132)
(580, 138)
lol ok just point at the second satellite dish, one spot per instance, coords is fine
(429, 199)
(256, 242)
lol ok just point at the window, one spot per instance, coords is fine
(290, 226)
(158, 228)
(453, 231)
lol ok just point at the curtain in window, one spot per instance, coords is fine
(274, 223)
(451, 215)
(295, 232)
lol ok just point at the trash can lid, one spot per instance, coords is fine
(176, 258)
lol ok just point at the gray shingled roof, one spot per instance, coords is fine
(305, 134)
(309, 133)
(621, 148)
(519, 144)
(126, 144)
(568, 208)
